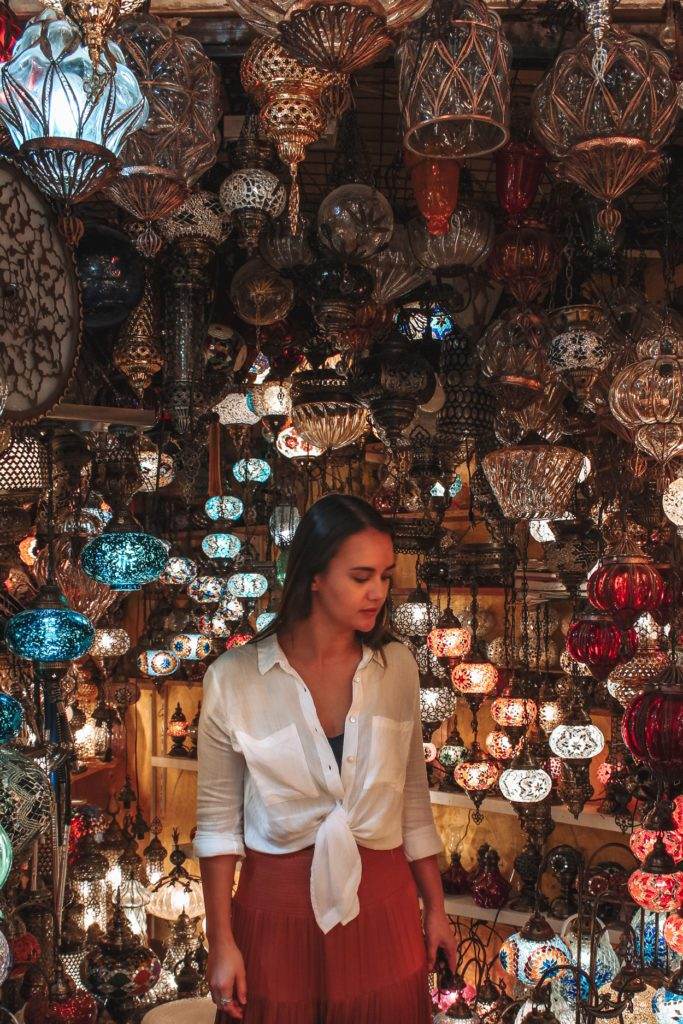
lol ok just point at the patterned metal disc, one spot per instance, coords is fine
(40, 308)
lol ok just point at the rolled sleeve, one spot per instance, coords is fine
(220, 777)
(420, 837)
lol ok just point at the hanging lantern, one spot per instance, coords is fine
(473, 677)
(646, 397)
(157, 662)
(260, 295)
(179, 891)
(499, 745)
(50, 631)
(604, 135)
(512, 354)
(625, 586)
(68, 133)
(247, 585)
(221, 546)
(124, 557)
(519, 167)
(673, 932)
(290, 100)
(579, 348)
(476, 774)
(283, 523)
(180, 570)
(355, 221)
(595, 641)
(256, 196)
(525, 259)
(658, 885)
(11, 721)
(157, 469)
(672, 502)
(466, 242)
(333, 36)
(435, 187)
(667, 1002)
(533, 481)
(179, 140)
(449, 639)
(109, 642)
(652, 726)
(452, 752)
(416, 616)
(253, 471)
(177, 730)
(137, 354)
(453, 74)
(225, 506)
(513, 712)
(525, 782)
(531, 954)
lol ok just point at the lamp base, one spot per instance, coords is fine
(68, 170)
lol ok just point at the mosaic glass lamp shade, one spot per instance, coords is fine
(27, 813)
(190, 645)
(69, 133)
(449, 639)
(416, 616)
(667, 1002)
(224, 506)
(264, 619)
(11, 718)
(221, 545)
(533, 952)
(248, 585)
(601, 963)
(157, 662)
(50, 631)
(109, 642)
(283, 523)
(180, 570)
(253, 471)
(657, 885)
(124, 557)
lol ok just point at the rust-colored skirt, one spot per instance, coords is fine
(370, 971)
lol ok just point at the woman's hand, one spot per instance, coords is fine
(438, 933)
(227, 979)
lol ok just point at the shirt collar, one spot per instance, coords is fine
(269, 653)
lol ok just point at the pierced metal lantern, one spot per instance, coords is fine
(257, 196)
(333, 35)
(603, 111)
(454, 88)
(69, 129)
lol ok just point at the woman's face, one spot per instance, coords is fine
(355, 584)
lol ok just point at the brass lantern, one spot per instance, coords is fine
(289, 95)
(333, 35)
(603, 111)
(453, 81)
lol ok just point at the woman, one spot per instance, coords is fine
(310, 755)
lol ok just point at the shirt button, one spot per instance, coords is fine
(350, 759)
(352, 718)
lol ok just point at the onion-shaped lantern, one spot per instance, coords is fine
(525, 259)
(652, 726)
(476, 774)
(626, 586)
(513, 358)
(602, 111)
(595, 641)
(454, 89)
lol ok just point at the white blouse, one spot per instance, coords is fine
(268, 778)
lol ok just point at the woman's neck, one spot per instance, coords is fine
(318, 639)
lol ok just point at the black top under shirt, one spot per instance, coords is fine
(337, 744)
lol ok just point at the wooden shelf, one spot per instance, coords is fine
(464, 906)
(94, 768)
(179, 764)
(496, 805)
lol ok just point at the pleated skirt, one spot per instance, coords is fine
(370, 971)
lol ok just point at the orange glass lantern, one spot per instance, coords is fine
(673, 932)
(435, 186)
(478, 678)
(525, 259)
(642, 843)
(657, 886)
(449, 639)
(513, 712)
(499, 745)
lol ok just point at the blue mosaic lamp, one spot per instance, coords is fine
(180, 570)
(124, 557)
(156, 661)
(253, 471)
(418, 323)
(11, 720)
(224, 506)
(534, 953)
(249, 585)
(50, 631)
(667, 1002)
(264, 619)
(221, 545)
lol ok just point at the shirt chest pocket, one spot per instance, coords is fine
(389, 748)
(278, 766)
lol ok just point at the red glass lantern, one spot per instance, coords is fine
(25, 950)
(489, 888)
(450, 639)
(652, 726)
(10, 30)
(625, 587)
(499, 745)
(435, 185)
(594, 640)
(678, 812)
(525, 259)
(657, 886)
(519, 167)
(673, 933)
(477, 678)
(64, 1004)
(642, 843)
(513, 712)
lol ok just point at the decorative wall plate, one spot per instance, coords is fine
(40, 305)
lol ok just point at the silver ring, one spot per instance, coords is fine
(225, 1002)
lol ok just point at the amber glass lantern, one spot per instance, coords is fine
(525, 258)
(477, 774)
(177, 730)
(513, 359)
(474, 677)
(453, 81)
(435, 187)
(602, 111)
(533, 481)
(513, 712)
(450, 639)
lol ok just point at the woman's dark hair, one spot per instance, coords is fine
(319, 535)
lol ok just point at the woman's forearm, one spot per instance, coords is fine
(428, 880)
(218, 877)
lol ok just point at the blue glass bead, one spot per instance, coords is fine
(225, 506)
(254, 471)
(11, 719)
(221, 545)
(125, 559)
(247, 584)
(49, 634)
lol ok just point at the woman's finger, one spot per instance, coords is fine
(241, 985)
